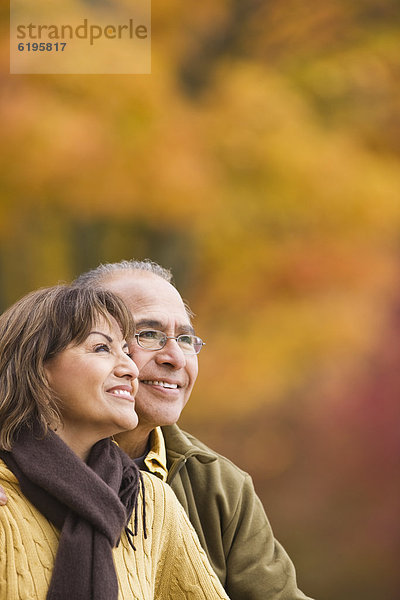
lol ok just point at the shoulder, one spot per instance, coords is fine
(161, 504)
(6, 476)
(21, 511)
(155, 490)
(182, 568)
(17, 507)
(165, 518)
(181, 445)
(28, 543)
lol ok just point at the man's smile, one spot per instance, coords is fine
(161, 383)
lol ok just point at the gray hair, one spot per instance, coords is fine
(103, 271)
(95, 277)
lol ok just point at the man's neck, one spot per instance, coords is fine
(134, 442)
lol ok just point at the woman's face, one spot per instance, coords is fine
(96, 382)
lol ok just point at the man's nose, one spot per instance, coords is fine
(172, 354)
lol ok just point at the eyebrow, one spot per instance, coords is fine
(108, 338)
(155, 324)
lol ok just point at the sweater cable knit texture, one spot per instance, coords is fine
(169, 565)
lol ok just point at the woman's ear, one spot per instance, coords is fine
(48, 369)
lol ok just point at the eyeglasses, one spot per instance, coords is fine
(150, 339)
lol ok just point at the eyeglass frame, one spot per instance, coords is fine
(169, 337)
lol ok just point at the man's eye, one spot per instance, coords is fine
(149, 335)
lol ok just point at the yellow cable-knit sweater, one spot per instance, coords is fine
(169, 565)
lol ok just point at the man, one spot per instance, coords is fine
(218, 497)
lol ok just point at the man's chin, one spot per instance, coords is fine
(159, 418)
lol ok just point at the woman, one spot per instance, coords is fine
(76, 520)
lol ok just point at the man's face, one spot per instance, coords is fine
(156, 304)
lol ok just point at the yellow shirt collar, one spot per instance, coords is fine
(156, 459)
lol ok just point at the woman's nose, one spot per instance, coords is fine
(127, 367)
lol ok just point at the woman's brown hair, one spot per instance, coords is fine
(32, 331)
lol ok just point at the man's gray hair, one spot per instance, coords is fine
(96, 277)
(104, 271)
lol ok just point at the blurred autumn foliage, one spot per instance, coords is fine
(260, 161)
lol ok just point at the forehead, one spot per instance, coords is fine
(106, 325)
(150, 298)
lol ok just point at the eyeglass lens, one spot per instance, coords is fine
(155, 340)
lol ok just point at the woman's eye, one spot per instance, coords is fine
(102, 348)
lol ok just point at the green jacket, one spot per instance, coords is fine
(229, 519)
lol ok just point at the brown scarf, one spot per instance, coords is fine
(90, 503)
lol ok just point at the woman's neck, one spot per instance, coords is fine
(134, 442)
(76, 442)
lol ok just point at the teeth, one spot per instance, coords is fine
(172, 386)
(120, 393)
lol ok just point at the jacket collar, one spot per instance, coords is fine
(170, 448)
(182, 445)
